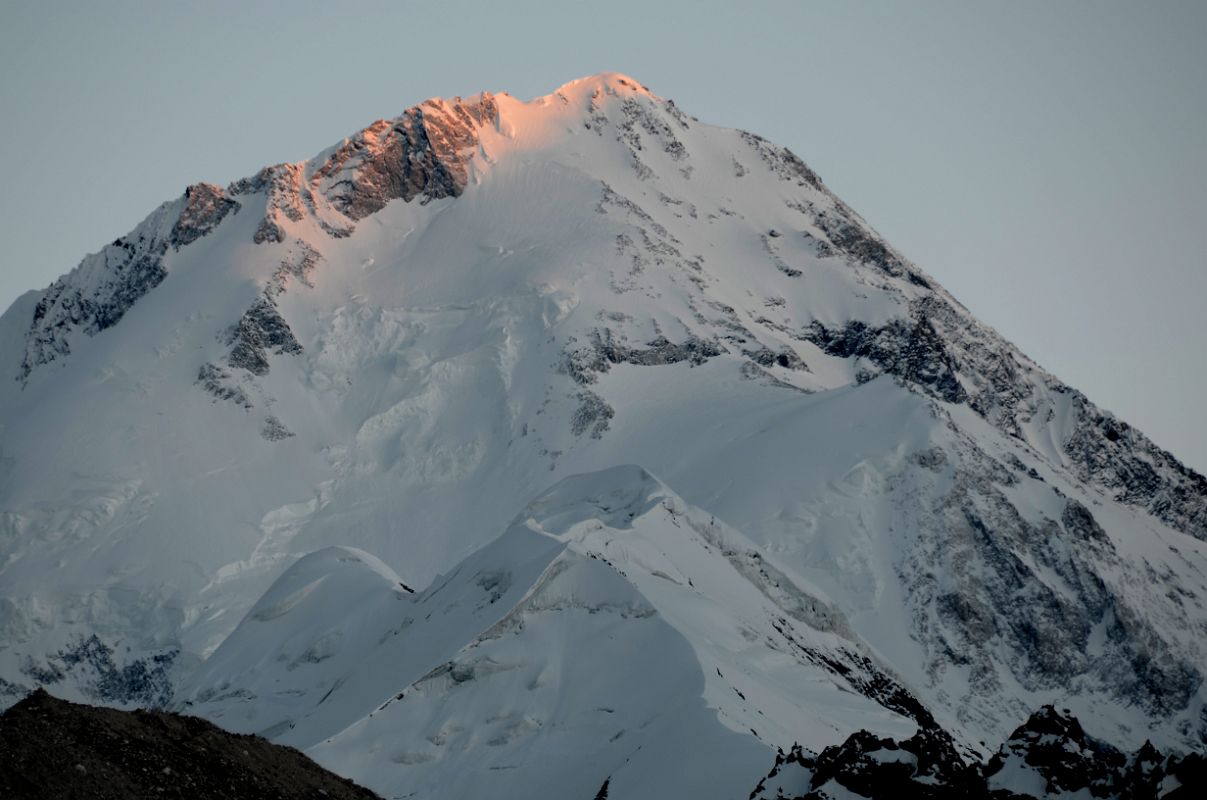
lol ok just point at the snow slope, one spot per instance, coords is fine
(392, 348)
(610, 618)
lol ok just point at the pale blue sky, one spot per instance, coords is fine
(1046, 161)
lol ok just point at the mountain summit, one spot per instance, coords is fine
(574, 443)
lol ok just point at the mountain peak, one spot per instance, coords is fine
(614, 83)
(395, 345)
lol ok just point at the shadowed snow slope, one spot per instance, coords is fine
(391, 348)
(610, 618)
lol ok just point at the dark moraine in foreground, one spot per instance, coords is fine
(53, 749)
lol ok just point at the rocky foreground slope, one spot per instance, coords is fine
(520, 447)
(52, 749)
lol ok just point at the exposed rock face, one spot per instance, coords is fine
(592, 415)
(911, 350)
(51, 749)
(99, 292)
(218, 382)
(854, 240)
(288, 196)
(420, 154)
(261, 331)
(91, 666)
(786, 164)
(1016, 396)
(983, 581)
(1049, 756)
(297, 267)
(1107, 452)
(605, 349)
(205, 205)
(947, 354)
(925, 766)
(784, 357)
(274, 430)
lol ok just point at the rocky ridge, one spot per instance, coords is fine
(1048, 756)
(99, 292)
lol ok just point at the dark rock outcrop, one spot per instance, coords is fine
(782, 161)
(219, 383)
(856, 241)
(1049, 755)
(50, 748)
(205, 205)
(420, 154)
(99, 292)
(1107, 452)
(982, 580)
(605, 349)
(924, 766)
(260, 331)
(951, 356)
(784, 357)
(592, 414)
(91, 666)
(909, 349)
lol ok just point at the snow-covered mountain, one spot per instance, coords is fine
(767, 483)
